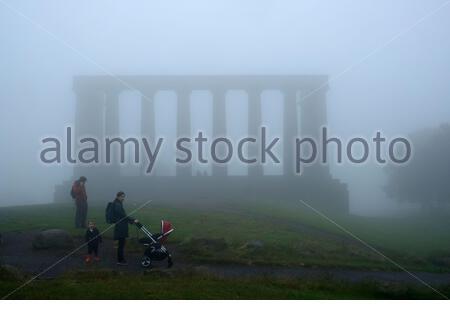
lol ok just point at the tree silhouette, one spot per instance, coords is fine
(425, 179)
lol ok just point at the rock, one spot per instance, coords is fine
(8, 272)
(208, 244)
(253, 245)
(53, 239)
(441, 261)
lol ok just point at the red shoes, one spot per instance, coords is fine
(88, 259)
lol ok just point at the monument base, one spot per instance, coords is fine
(330, 196)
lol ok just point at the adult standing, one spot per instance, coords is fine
(79, 195)
(121, 226)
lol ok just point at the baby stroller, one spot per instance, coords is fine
(155, 250)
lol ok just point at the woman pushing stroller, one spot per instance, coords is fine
(155, 251)
(121, 226)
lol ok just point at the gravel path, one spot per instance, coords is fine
(16, 250)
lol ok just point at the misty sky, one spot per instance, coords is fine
(402, 83)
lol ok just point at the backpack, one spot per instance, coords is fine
(109, 213)
(72, 193)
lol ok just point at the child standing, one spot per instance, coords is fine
(93, 239)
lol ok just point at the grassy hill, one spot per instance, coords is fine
(290, 235)
(286, 235)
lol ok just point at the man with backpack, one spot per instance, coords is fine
(115, 213)
(78, 193)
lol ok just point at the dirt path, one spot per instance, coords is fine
(17, 251)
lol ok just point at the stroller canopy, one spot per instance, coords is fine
(166, 227)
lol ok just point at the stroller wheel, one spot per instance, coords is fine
(146, 262)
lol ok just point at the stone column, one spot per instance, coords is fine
(219, 129)
(254, 131)
(112, 128)
(183, 127)
(313, 117)
(89, 123)
(147, 124)
(290, 131)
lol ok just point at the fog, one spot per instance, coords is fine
(388, 64)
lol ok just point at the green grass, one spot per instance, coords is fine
(291, 235)
(415, 234)
(157, 285)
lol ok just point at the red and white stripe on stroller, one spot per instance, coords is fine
(155, 250)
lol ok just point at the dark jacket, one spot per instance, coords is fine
(121, 226)
(93, 237)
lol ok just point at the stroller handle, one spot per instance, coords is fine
(139, 225)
